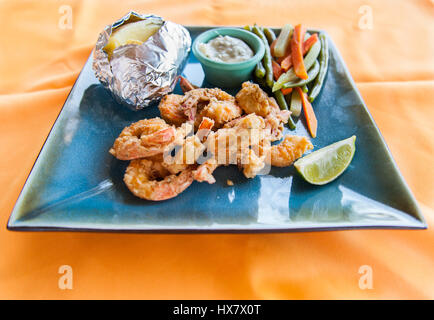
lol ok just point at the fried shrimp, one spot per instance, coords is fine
(275, 120)
(215, 104)
(188, 153)
(219, 111)
(147, 138)
(144, 138)
(251, 164)
(222, 148)
(252, 99)
(289, 150)
(149, 180)
(235, 145)
(250, 121)
(205, 95)
(246, 159)
(172, 106)
(168, 154)
(171, 109)
(196, 104)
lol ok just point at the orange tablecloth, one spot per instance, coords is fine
(392, 64)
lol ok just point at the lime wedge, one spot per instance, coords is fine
(326, 164)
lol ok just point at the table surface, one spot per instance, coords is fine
(388, 47)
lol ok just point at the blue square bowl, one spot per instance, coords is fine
(76, 185)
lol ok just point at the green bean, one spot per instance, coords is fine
(260, 70)
(248, 28)
(312, 73)
(271, 36)
(283, 106)
(304, 88)
(267, 60)
(288, 98)
(311, 56)
(309, 60)
(280, 100)
(323, 61)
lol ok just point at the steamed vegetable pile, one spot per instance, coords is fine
(293, 68)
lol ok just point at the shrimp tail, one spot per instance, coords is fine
(186, 85)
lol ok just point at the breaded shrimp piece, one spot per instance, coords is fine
(250, 121)
(220, 111)
(188, 153)
(198, 103)
(144, 138)
(235, 145)
(149, 180)
(246, 159)
(171, 109)
(215, 104)
(251, 163)
(289, 150)
(147, 138)
(199, 98)
(252, 99)
(274, 123)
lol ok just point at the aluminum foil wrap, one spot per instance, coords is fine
(138, 75)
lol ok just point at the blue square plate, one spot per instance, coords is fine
(77, 185)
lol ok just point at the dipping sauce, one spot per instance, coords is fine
(226, 49)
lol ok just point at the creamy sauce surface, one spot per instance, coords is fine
(226, 49)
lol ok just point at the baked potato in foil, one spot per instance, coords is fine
(138, 58)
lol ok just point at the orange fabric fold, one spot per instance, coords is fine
(388, 47)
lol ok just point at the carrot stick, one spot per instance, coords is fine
(286, 62)
(309, 43)
(286, 91)
(277, 70)
(309, 114)
(297, 52)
